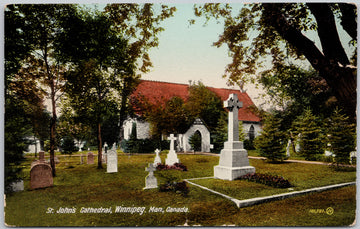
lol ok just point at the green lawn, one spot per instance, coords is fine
(83, 186)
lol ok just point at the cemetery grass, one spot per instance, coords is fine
(85, 186)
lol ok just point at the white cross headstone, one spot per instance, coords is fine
(172, 156)
(234, 160)
(157, 159)
(150, 179)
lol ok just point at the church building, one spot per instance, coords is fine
(159, 91)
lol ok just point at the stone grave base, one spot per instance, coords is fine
(233, 162)
(230, 173)
(172, 158)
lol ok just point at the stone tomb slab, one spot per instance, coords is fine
(41, 176)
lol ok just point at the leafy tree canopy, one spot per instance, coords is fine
(256, 33)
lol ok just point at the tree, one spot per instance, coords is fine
(311, 140)
(17, 129)
(42, 24)
(68, 145)
(100, 63)
(271, 142)
(195, 141)
(220, 134)
(132, 143)
(277, 30)
(165, 116)
(205, 104)
(341, 136)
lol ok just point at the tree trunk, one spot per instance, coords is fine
(53, 129)
(99, 140)
(341, 79)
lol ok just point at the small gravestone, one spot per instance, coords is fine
(352, 157)
(90, 158)
(104, 157)
(150, 179)
(172, 158)
(112, 161)
(297, 145)
(157, 159)
(41, 176)
(288, 148)
(234, 160)
(81, 159)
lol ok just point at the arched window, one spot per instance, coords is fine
(251, 133)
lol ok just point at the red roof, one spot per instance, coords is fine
(156, 91)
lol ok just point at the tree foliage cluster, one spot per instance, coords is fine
(314, 135)
(175, 115)
(272, 36)
(64, 52)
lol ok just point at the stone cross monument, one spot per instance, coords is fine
(172, 156)
(234, 160)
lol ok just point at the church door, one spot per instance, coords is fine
(195, 141)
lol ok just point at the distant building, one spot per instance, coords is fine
(155, 91)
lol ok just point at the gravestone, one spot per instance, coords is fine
(112, 161)
(104, 157)
(297, 145)
(172, 158)
(81, 159)
(90, 158)
(352, 157)
(234, 160)
(150, 179)
(157, 159)
(41, 176)
(288, 148)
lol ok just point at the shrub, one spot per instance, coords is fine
(249, 144)
(177, 187)
(176, 166)
(267, 179)
(68, 145)
(141, 145)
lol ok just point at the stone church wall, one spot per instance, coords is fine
(142, 129)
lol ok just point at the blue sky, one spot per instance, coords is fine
(186, 53)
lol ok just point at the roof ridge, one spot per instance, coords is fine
(158, 81)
